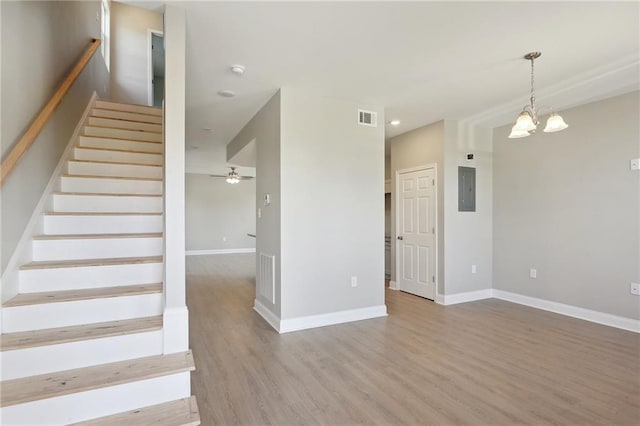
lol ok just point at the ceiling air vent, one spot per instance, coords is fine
(367, 118)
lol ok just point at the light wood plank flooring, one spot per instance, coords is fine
(482, 363)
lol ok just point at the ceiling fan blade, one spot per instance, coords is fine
(245, 177)
(219, 176)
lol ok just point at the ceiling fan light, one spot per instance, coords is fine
(525, 122)
(518, 133)
(555, 123)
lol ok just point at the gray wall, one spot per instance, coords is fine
(130, 51)
(41, 41)
(467, 235)
(264, 128)
(418, 147)
(216, 210)
(567, 204)
(332, 206)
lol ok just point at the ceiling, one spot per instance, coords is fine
(424, 61)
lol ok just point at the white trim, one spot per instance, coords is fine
(220, 251)
(268, 316)
(393, 285)
(150, 33)
(340, 317)
(396, 206)
(175, 330)
(469, 296)
(23, 251)
(616, 321)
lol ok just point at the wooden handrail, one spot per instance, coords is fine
(25, 142)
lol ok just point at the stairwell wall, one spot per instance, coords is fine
(40, 43)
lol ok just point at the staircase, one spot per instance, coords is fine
(83, 339)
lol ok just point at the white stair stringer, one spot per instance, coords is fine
(84, 336)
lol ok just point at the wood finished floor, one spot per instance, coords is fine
(483, 363)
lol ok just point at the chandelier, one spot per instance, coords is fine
(527, 121)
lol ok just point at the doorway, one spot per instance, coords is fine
(156, 68)
(416, 239)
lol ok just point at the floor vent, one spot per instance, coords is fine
(367, 118)
(266, 277)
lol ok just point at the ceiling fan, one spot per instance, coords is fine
(233, 177)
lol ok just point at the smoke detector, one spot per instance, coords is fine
(237, 69)
(226, 93)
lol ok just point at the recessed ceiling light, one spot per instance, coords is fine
(237, 69)
(207, 129)
(227, 93)
(394, 122)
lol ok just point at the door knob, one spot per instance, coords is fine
(400, 237)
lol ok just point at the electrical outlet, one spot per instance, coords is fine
(634, 164)
(634, 288)
(474, 269)
(259, 212)
(354, 281)
(533, 273)
(224, 239)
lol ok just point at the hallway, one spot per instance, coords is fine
(487, 362)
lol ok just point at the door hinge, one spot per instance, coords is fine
(433, 182)
(433, 278)
(433, 229)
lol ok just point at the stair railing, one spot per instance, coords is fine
(25, 142)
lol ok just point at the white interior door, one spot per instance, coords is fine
(416, 236)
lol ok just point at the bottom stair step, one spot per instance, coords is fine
(182, 412)
(34, 388)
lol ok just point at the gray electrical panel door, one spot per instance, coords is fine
(466, 189)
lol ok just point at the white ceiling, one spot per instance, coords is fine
(424, 61)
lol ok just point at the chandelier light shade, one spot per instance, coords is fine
(527, 121)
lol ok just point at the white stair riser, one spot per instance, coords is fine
(110, 186)
(140, 109)
(106, 204)
(121, 170)
(65, 314)
(120, 144)
(54, 279)
(95, 248)
(124, 124)
(99, 402)
(85, 353)
(107, 132)
(117, 224)
(131, 116)
(118, 156)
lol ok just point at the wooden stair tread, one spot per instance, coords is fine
(111, 177)
(182, 412)
(93, 194)
(33, 388)
(129, 163)
(129, 151)
(24, 299)
(121, 128)
(90, 262)
(99, 214)
(96, 236)
(54, 336)
(156, 111)
(108, 138)
(135, 117)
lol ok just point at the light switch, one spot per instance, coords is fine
(634, 164)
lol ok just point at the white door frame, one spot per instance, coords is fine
(150, 33)
(396, 207)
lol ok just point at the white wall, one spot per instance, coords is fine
(568, 205)
(41, 41)
(219, 215)
(332, 176)
(467, 235)
(130, 51)
(419, 147)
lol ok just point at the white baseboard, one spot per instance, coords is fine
(313, 321)
(268, 316)
(175, 328)
(220, 251)
(393, 285)
(616, 321)
(23, 253)
(469, 296)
